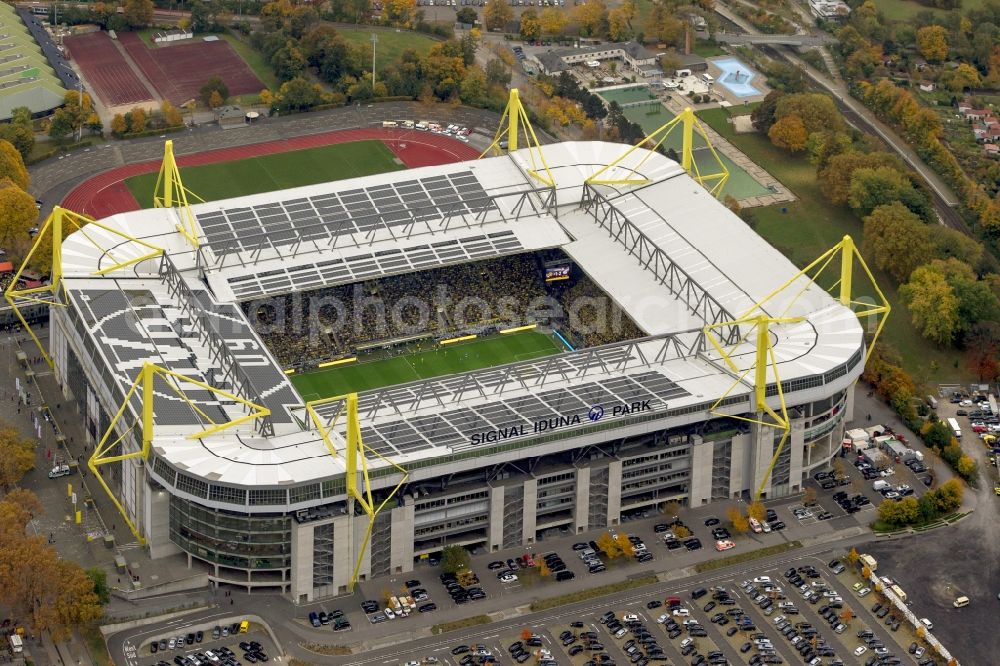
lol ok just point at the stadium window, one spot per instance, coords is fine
(191, 485)
(268, 497)
(304, 493)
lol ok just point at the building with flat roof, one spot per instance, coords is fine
(33, 71)
(494, 458)
(636, 58)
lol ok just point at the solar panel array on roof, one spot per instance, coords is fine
(366, 265)
(359, 210)
(454, 428)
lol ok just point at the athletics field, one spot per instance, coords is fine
(444, 360)
(276, 171)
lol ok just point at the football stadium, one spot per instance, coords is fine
(299, 389)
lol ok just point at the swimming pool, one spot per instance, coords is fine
(736, 77)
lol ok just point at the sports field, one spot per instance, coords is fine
(276, 171)
(444, 360)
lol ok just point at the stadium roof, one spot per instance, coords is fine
(673, 257)
(26, 77)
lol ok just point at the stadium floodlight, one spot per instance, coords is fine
(147, 387)
(514, 117)
(689, 123)
(60, 223)
(170, 191)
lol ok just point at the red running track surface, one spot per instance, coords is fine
(106, 194)
(106, 69)
(178, 72)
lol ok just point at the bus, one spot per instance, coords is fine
(953, 424)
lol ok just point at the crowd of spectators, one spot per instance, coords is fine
(304, 329)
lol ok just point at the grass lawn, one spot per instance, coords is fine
(390, 44)
(707, 49)
(804, 229)
(275, 172)
(444, 360)
(905, 10)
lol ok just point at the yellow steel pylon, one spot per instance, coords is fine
(516, 117)
(170, 192)
(764, 358)
(355, 452)
(144, 385)
(844, 286)
(689, 124)
(59, 224)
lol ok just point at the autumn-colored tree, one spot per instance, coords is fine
(681, 532)
(592, 15)
(497, 14)
(932, 304)
(809, 497)
(963, 77)
(835, 178)
(401, 12)
(620, 22)
(846, 616)
(871, 188)
(608, 545)
(757, 511)
(817, 111)
(17, 453)
(172, 116)
(12, 165)
(866, 572)
(966, 467)
(789, 133)
(932, 42)
(526, 634)
(672, 509)
(897, 239)
(18, 214)
(663, 25)
(543, 568)
(138, 13)
(853, 556)
(137, 120)
(553, 21)
(215, 101)
(738, 521)
(118, 125)
(899, 512)
(624, 545)
(530, 27)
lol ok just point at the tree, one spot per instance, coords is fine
(853, 556)
(899, 512)
(204, 16)
(681, 532)
(967, 467)
(466, 15)
(17, 453)
(757, 511)
(825, 145)
(288, 61)
(739, 522)
(963, 77)
(897, 239)
(137, 120)
(99, 578)
(172, 116)
(663, 25)
(215, 101)
(789, 133)
(932, 42)
(809, 497)
(817, 111)
(12, 165)
(846, 616)
(497, 72)
(214, 84)
(118, 125)
(497, 14)
(592, 15)
(620, 22)
(553, 21)
(608, 545)
(932, 305)
(874, 187)
(401, 12)
(763, 116)
(298, 94)
(474, 88)
(543, 569)
(19, 131)
(624, 545)
(18, 214)
(530, 28)
(454, 559)
(835, 179)
(672, 509)
(138, 13)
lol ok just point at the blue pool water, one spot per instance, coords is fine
(736, 77)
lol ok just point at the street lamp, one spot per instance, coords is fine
(374, 42)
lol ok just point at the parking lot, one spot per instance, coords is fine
(803, 610)
(228, 644)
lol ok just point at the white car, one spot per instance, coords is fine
(681, 612)
(508, 578)
(662, 619)
(860, 650)
(630, 617)
(762, 579)
(864, 591)
(927, 623)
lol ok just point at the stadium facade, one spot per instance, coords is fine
(496, 458)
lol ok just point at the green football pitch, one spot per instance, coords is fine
(277, 171)
(445, 360)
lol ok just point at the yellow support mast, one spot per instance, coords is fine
(690, 125)
(764, 358)
(145, 386)
(60, 223)
(511, 122)
(354, 453)
(170, 192)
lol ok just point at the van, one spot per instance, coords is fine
(699, 593)
(244, 627)
(708, 78)
(932, 401)
(390, 123)
(961, 602)
(681, 73)
(880, 485)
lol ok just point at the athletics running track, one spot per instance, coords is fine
(106, 194)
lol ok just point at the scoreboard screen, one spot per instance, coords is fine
(556, 273)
